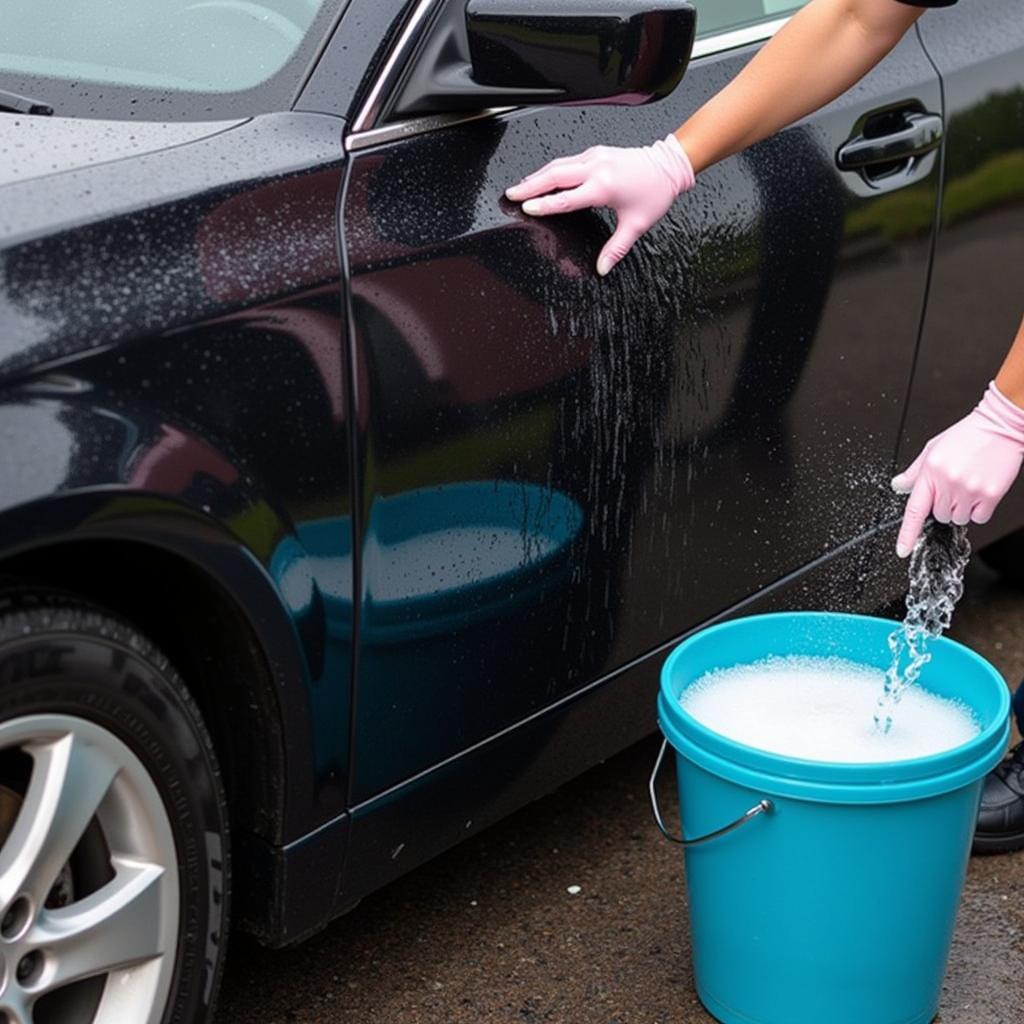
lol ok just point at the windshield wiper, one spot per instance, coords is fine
(15, 103)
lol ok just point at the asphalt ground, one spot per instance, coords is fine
(490, 932)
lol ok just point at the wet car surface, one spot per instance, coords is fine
(372, 503)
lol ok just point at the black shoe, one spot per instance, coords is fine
(1000, 827)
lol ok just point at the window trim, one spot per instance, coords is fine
(364, 134)
(393, 67)
(732, 39)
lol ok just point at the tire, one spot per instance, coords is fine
(116, 909)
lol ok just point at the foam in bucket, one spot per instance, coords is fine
(820, 709)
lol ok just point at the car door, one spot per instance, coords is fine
(559, 474)
(977, 294)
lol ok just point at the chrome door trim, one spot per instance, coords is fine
(364, 134)
(416, 126)
(720, 42)
(393, 66)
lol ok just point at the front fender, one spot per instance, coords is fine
(71, 471)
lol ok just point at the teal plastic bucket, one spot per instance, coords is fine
(826, 892)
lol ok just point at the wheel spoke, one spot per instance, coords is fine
(69, 780)
(117, 926)
(16, 1010)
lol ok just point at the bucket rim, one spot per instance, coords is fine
(677, 724)
(849, 792)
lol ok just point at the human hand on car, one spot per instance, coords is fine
(639, 184)
(964, 472)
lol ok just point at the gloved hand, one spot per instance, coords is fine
(639, 184)
(963, 473)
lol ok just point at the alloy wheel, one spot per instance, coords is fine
(104, 953)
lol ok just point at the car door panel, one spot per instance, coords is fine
(977, 293)
(590, 467)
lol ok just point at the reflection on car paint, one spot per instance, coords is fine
(464, 563)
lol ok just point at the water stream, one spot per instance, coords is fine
(937, 566)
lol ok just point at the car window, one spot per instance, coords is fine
(115, 48)
(715, 16)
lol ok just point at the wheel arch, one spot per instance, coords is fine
(207, 602)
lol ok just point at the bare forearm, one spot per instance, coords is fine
(1010, 379)
(824, 49)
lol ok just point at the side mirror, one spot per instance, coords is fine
(499, 53)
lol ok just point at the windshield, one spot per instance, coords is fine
(161, 59)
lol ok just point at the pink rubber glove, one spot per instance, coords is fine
(639, 184)
(963, 473)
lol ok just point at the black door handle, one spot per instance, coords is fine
(920, 134)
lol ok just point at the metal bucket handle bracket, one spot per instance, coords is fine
(762, 807)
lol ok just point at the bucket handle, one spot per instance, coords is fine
(764, 806)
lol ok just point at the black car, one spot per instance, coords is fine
(343, 509)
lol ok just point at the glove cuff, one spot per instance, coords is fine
(674, 161)
(1009, 415)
